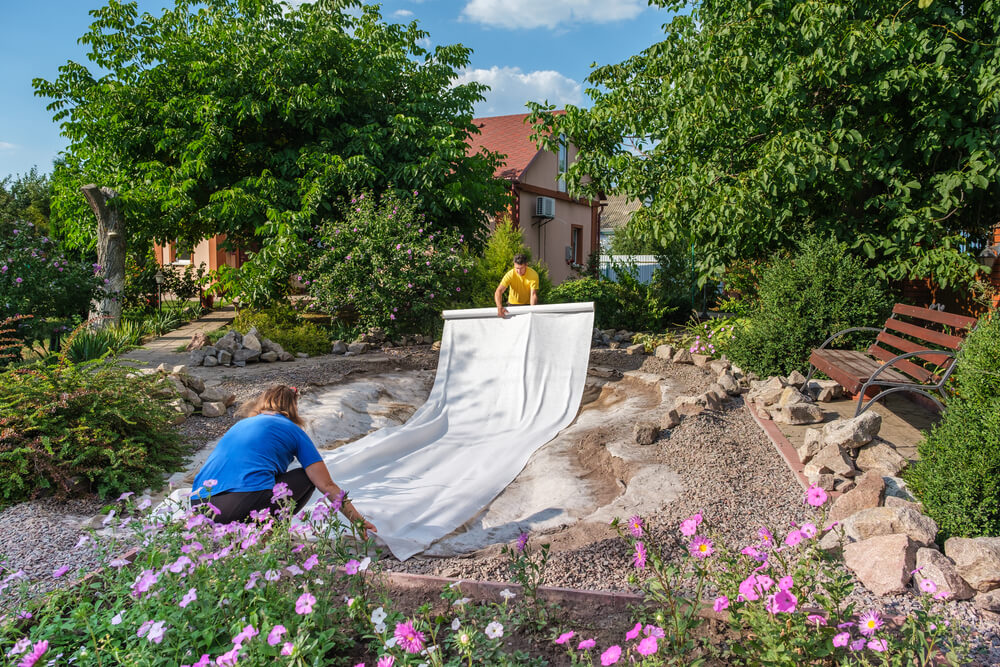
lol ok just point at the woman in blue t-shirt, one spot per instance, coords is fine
(253, 457)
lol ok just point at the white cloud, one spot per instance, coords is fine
(510, 89)
(425, 43)
(402, 13)
(7, 146)
(551, 13)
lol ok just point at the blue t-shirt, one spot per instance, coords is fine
(253, 453)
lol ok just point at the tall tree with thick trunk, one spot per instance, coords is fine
(107, 309)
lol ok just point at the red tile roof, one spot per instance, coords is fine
(509, 135)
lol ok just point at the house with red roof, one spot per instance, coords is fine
(561, 230)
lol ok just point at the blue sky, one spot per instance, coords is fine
(523, 49)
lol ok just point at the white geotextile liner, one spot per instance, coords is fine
(504, 387)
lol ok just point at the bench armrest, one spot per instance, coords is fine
(889, 364)
(846, 331)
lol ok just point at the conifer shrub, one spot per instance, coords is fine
(804, 299)
(957, 477)
(69, 429)
(497, 259)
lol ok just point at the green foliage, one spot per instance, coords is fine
(26, 198)
(37, 279)
(755, 124)
(253, 118)
(958, 474)
(283, 325)
(184, 283)
(625, 304)
(527, 568)
(386, 266)
(504, 242)
(70, 428)
(803, 300)
(712, 337)
(140, 291)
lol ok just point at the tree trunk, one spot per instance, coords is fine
(107, 310)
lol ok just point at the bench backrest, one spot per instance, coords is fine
(911, 329)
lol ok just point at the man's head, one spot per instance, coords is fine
(520, 264)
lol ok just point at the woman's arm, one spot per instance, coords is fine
(319, 475)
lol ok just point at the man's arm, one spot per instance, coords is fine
(498, 299)
(319, 475)
(534, 297)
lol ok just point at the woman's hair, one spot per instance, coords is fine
(279, 398)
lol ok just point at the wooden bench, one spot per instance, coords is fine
(914, 351)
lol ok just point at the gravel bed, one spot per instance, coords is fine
(730, 469)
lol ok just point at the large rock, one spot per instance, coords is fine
(217, 395)
(891, 521)
(798, 414)
(811, 445)
(977, 560)
(198, 340)
(645, 433)
(683, 356)
(338, 347)
(638, 348)
(700, 360)
(825, 481)
(682, 402)
(269, 356)
(720, 392)
(867, 494)
(670, 420)
(934, 565)
(197, 357)
(719, 366)
(357, 348)
(989, 601)
(728, 382)
(230, 342)
(836, 459)
(211, 361)
(193, 382)
(893, 501)
(192, 397)
(855, 432)
(285, 355)
(880, 456)
(796, 379)
(213, 409)
(175, 383)
(896, 487)
(824, 391)
(765, 396)
(792, 396)
(252, 343)
(225, 357)
(664, 352)
(882, 563)
(245, 355)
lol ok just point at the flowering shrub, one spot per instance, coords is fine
(386, 266)
(711, 337)
(67, 428)
(527, 567)
(37, 279)
(284, 325)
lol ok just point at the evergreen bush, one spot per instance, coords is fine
(69, 429)
(804, 299)
(958, 474)
(497, 259)
(284, 325)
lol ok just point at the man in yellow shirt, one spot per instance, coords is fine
(523, 283)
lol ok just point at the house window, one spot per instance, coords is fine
(576, 243)
(177, 254)
(563, 165)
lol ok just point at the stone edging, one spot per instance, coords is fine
(784, 447)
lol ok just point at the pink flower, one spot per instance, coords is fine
(386, 661)
(647, 646)
(522, 541)
(635, 526)
(816, 496)
(156, 632)
(304, 604)
(869, 622)
(786, 583)
(841, 639)
(274, 636)
(809, 530)
(409, 638)
(721, 603)
(765, 537)
(351, 566)
(879, 645)
(942, 595)
(639, 558)
(749, 588)
(288, 647)
(858, 644)
(565, 637)
(188, 598)
(248, 632)
(280, 492)
(311, 562)
(816, 619)
(689, 526)
(229, 658)
(926, 585)
(586, 645)
(37, 651)
(634, 632)
(793, 538)
(700, 547)
(782, 602)
(611, 656)
(60, 571)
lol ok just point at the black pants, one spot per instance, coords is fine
(237, 505)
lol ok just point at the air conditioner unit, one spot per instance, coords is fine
(545, 207)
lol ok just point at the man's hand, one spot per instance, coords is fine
(368, 526)
(501, 311)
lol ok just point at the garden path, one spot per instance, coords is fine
(162, 350)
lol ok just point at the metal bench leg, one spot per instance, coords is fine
(892, 390)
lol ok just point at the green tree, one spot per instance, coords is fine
(504, 242)
(252, 119)
(26, 198)
(755, 124)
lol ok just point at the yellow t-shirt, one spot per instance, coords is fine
(520, 286)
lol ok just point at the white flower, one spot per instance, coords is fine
(460, 601)
(506, 594)
(109, 517)
(378, 615)
(363, 565)
(463, 638)
(456, 624)
(456, 583)
(380, 628)
(494, 630)
(116, 619)
(391, 642)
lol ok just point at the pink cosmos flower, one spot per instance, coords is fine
(386, 661)
(869, 622)
(635, 526)
(701, 547)
(37, 651)
(274, 636)
(841, 640)
(766, 538)
(409, 638)
(721, 603)
(647, 646)
(304, 605)
(351, 566)
(639, 558)
(926, 585)
(816, 496)
(565, 637)
(689, 526)
(611, 656)
(879, 645)
(586, 645)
